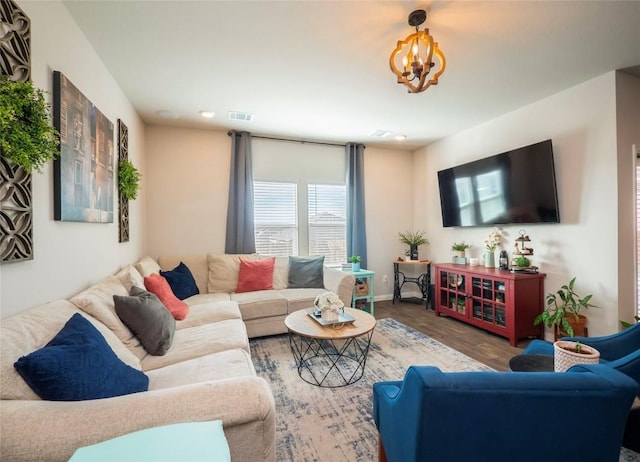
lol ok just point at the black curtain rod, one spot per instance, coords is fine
(294, 141)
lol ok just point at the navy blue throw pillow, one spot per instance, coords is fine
(78, 364)
(181, 281)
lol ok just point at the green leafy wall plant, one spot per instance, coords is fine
(26, 134)
(128, 179)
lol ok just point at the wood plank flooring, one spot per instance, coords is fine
(488, 348)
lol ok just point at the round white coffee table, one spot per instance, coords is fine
(334, 355)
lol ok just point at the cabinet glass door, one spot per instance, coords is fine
(488, 300)
(452, 291)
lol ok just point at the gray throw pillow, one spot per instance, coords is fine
(148, 319)
(306, 272)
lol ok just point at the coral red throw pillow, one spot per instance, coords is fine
(158, 285)
(255, 275)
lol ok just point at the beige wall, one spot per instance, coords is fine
(70, 256)
(581, 121)
(188, 187)
(188, 181)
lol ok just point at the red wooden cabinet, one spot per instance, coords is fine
(495, 300)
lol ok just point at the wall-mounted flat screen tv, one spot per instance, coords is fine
(517, 186)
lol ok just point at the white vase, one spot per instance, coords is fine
(330, 315)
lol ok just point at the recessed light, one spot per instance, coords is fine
(207, 114)
(400, 137)
(167, 114)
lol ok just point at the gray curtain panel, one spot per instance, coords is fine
(356, 229)
(240, 229)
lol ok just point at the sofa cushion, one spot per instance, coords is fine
(148, 319)
(147, 266)
(77, 364)
(194, 342)
(159, 286)
(281, 273)
(223, 271)
(306, 272)
(298, 299)
(181, 281)
(255, 275)
(130, 277)
(204, 313)
(206, 298)
(97, 301)
(260, 304)
(226, 364)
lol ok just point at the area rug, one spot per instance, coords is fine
(335, 424)
(331, 424)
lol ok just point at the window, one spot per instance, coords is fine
(300, 199)
(327, 222)
(275, 215)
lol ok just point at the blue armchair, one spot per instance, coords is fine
(503, 416)
(620, 351)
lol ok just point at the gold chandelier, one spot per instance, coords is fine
(412, 59)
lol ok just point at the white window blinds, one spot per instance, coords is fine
(275, 216)
(327, 205)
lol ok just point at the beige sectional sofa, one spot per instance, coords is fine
(206, 374)
(264, 311)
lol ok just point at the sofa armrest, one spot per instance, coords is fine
(340, 282)
(53, 430)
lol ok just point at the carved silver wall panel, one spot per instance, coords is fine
(16, 208)
(123, 208)
(16, 226)
(15, 42)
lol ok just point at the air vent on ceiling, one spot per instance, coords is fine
(380, 133)
(243, 116)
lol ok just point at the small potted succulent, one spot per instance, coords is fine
(459, 248)
(355, 263)
(567, 354)
(522, 262)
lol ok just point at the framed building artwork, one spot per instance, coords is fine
(83, 175)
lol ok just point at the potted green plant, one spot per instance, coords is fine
(563, 311)
(128, 179)
(355, 263)
(522, 262)
(459, 248)
(413, 239)
(26, 135)
(568, 353)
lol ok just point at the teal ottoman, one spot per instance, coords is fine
(186, 442)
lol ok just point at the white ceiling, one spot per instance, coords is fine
(319, 70)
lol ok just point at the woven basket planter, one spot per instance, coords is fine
(563, 359)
